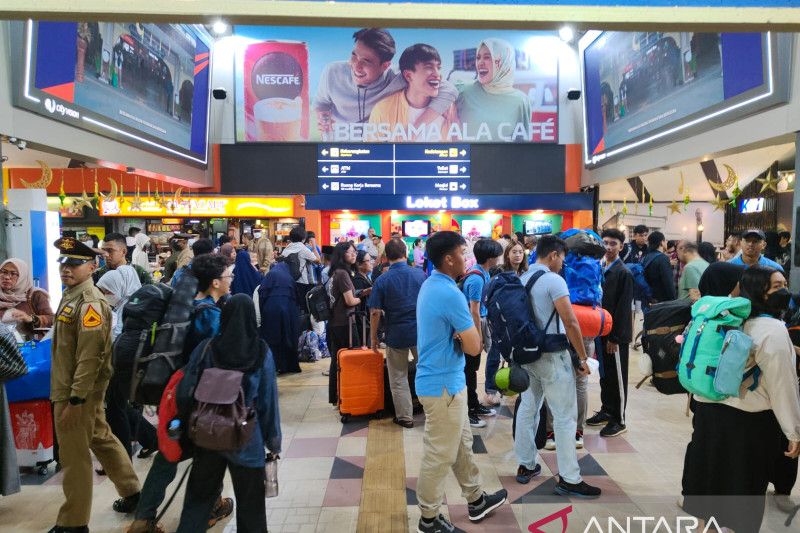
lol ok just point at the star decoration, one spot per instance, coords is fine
(674, 208)
(719, 203)
(79, 203)
(768, 182)
(136, 203)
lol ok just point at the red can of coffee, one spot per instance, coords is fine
(276, 102)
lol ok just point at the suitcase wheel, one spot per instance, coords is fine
(42, 470)
(345, 419)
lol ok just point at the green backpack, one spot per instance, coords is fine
(714, 348)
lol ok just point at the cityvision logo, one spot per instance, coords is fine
(631, 524)
(52, 107)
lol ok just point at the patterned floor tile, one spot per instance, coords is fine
(312, 447)
(342, 493)
(348, 468)
(477, 445)
(594, 443)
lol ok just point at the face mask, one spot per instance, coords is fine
(112, 299)
(257, 235)
(778, 302)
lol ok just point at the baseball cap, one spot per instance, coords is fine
(754, 233)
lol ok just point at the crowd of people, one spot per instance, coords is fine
(426, 309)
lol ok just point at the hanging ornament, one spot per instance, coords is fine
(681, 186)
(44, 181)
(735, 193)
(110, 197)
(136, 204)
(719, 203)
(650, 206)
(674, 208)
(121, 196)
(157, 197)
(636, 208)
(176, 198)
(613, 209)
(624, 206)
(602, 210)
(768, 182)
(149, 198)
(83, 201)
(61, 194)
(728, 183)
(686, 201)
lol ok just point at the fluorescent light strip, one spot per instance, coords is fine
(141, 139)
(28, 50)
(698, 120)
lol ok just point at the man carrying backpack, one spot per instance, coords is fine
(298, 255)
(552, 375)
(658, 270)
(214, 275)
(617, 299)
(486, 253)
(636, 249)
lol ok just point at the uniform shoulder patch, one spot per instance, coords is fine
(91, 318)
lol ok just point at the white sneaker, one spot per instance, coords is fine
(492, 400)
(578, 441)
(550, 444)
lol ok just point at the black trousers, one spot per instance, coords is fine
(207, 474)
(783, 470)
(609, 383)
(126, 421)
(471, 366)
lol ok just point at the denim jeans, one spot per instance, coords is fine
(552, 378)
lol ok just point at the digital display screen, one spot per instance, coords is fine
(416, 228)
(348, 230)
(476, 228)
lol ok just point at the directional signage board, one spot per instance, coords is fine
(393, 168)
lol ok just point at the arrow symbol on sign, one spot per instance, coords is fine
(463, 186)
(324, 185)
(324, 152)
(463, 169)
(463, 152)
(325, 169)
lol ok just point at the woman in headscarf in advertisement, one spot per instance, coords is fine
(492, 99)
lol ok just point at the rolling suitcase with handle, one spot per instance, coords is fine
(360, 379)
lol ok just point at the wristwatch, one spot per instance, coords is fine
(74, 400)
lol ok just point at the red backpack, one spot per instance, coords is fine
(167, 411)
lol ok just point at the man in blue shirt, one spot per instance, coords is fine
(753, 243)
(486, 253)
(445, 332)
(395, 295)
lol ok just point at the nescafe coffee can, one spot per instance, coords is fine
(276, 102)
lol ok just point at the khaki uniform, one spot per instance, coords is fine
(81, 367)
(184, 258)
(265, 253)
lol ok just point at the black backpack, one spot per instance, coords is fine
(153, 343)
(663, 322)
(318, 302)
(293, 260)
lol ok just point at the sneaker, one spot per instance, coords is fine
(404, 423)
(145, 526)
(476, 422)
(222, 509)
(550, 443)
(579, 490)
(486, 504)
(524, 474)
(440, 524)
(579, 440)
(484, 411)
(493, 399)
(127, 504)
(72, 529)
(784, 503)
(613, 429)
(599, 419)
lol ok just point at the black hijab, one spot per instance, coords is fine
(720, 278)
(238, 346)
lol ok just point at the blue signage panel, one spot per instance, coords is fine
(431, 186)
(346, 186)
(354, 152)
(426, 152)
(355, 168)
(428, 170)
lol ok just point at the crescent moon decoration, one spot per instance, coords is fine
(728, 183)
(114, 192)
(769, 182)
(176, 198)
(44, 181)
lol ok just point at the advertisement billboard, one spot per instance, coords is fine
(640, 87)
(396, 85)
(142, 84)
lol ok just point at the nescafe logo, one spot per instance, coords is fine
(277, 75)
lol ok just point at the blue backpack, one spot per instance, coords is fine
(510, 315)
(641, 289)
(584, 277)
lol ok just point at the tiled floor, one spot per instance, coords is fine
(321, 473)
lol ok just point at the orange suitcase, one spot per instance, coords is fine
(360, 380)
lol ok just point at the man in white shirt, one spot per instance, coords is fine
(304, 256)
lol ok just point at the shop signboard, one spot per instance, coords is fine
(200, 206)
(609, 3)
(642, 88)
(143, 84)
(393, 168)
(408, 202)
(314, 84)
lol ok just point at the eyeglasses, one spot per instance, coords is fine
(9, 273)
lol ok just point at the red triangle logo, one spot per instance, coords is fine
(65, 91)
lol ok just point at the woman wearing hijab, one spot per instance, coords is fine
(280, 326)
(246, 277)
(719, 279)
(21, 304)
(126, 422)
(492, 99)
(139, 255)
(236, 347)
(118, 285)
(228, 251)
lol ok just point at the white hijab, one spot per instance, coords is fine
(139, 256)
(505, 63)
(121, 282)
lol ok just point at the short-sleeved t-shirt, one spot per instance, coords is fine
(441, 312)
(473, 287)
(762, 261)
(549, 288)
(341, 282)
(305, 255)
(395, 292)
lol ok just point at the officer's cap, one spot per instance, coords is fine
(74, 252)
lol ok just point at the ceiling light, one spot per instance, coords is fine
(220, 28)
(566, 34)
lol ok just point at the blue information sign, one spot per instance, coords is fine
(393, 168)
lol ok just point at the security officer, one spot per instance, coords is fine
(81, 368)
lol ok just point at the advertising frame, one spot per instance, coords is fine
(29, 98)
(777, 51)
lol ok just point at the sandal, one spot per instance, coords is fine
(145, 526)
(222, 509)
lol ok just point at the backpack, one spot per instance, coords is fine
(309, 347)
(511, 320)
(221, 419)
(293, 260)
(715, 350)
(318, 302)
(641, 289)
(584, 277)
(161, 347)
(584, 242)
(663, 323)
(170, 448)
(462, 279)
